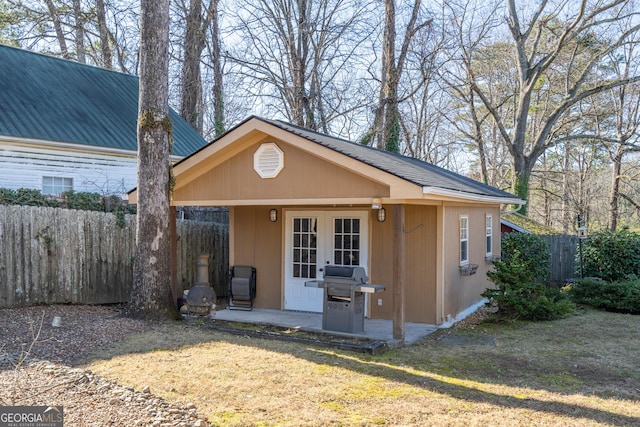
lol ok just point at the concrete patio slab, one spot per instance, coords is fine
(375, 329)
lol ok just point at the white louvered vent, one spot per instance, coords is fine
(268, 160)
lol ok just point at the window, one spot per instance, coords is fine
(305, 247)
(489, 233)
(346, 236)
(464, 240)
(55, 185)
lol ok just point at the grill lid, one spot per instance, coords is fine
(346, 272)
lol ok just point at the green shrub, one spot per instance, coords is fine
(518, 297)
(520, 292)
(68, 199)
(83, 201)
(529, 250)
(25, 197)
(622, 296)
(611, 256)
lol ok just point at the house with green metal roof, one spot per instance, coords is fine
(71, 126)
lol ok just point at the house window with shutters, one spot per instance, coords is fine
(56, 185)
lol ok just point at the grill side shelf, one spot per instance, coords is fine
(367, 288)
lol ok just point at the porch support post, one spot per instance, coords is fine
(174, 255)
(398, 272)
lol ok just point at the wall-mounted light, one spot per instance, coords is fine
(382, 215)
(273, 215)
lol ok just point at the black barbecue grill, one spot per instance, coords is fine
(344, 289)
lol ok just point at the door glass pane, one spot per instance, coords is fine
(304, 248)
(346, 241)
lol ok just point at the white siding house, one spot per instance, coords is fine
(35, 165)
(70, 126)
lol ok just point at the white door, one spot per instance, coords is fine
(315, 239)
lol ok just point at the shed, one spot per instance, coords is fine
(299, 200)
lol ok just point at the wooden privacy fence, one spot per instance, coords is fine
(563, 248)
(54, 256)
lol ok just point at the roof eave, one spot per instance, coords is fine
(445, 192)
(31, 142)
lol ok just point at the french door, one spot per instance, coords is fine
(315, 239)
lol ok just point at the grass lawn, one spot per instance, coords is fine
(580, 371)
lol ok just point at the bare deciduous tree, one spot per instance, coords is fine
(299, 56)
(540, 42)
(386, 122)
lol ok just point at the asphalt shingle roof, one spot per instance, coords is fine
(48, 98)
(413, 170)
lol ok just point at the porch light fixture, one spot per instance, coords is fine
(382, 215)
(273, 215)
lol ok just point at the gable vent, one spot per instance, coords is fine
(268, 160)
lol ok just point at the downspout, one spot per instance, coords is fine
(515, 207)
(440, 251)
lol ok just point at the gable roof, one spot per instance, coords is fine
(410, 169)
(432, 179)
(52, 99)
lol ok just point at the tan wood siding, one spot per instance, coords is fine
(420, 252)
(304, 177)
(258, 242)
(462, 291)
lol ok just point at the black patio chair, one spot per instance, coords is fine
(242, 287)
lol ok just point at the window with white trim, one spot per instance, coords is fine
(489, 233)
(56, 185)
(464, 240)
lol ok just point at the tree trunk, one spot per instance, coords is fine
(566, 213)
(384, 112)
(191, 106)
(477, 126)
(57, 25)
(521, 175)
(387, 118)
(302, 115)
(216, 59)
(615, 188)
(105, 47)
(151, 293)
(79, 32)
